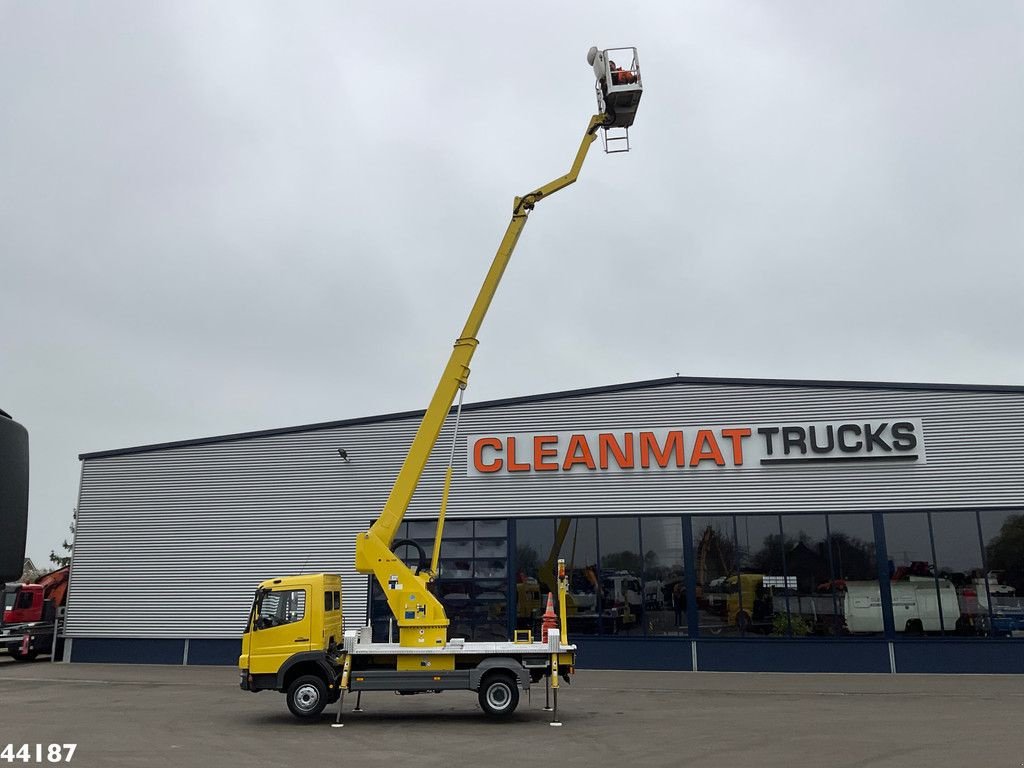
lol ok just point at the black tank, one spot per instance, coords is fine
(13, 497)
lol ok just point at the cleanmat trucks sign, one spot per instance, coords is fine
(734, 446)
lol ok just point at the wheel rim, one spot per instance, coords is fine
(307, 697)
(499, 695)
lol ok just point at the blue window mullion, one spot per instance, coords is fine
(690, 569)
(884, 588)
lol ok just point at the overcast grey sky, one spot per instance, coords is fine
(220, 217)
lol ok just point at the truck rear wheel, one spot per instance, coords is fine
(307, 696)
(743, 621)
(499, 695)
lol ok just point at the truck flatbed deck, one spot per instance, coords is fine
(455, 648)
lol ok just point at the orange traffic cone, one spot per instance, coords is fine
(550, 620)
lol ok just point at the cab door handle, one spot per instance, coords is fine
(302, 640)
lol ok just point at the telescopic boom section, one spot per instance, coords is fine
(421, 618)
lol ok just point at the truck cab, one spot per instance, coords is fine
(293, 624)
(30, 615)
(23, 603)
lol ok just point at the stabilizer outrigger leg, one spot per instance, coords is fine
(342, 687)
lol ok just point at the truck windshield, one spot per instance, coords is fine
(9, 599)
(252, 610)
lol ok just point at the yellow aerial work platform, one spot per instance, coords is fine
(293, 640)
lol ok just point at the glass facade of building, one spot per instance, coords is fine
(920, 575)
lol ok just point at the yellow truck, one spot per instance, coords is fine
(295, 639)
(748, 604)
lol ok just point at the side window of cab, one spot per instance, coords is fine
(280, 607)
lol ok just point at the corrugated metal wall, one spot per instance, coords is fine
(172, 542)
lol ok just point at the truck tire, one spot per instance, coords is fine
(743, 621)
(499, 694)
(17, 655)
(307, 696)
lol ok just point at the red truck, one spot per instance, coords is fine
(30, 615)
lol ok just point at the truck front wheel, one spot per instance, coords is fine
(499, 695)
(307, 696)
(17, 655)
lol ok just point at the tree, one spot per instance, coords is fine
(652, 566)
(1005, 552)
(769, 558)
(807, 559)
(64, 560)
(716, 554)
(622, 561)
(527, 559)
(853, 558)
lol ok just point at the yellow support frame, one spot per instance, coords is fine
(563, 588)
(420, 616)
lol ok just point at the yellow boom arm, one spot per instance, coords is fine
(420, 615)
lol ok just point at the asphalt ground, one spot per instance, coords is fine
(135, 715)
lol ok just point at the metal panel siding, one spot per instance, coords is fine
(172, 542)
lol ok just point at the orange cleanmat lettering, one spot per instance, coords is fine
(736, 435)
(540, 453)
(513, 465)
(478, 454)
(649, 445)
(705, 448)
(606, 443)
(578, 452)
